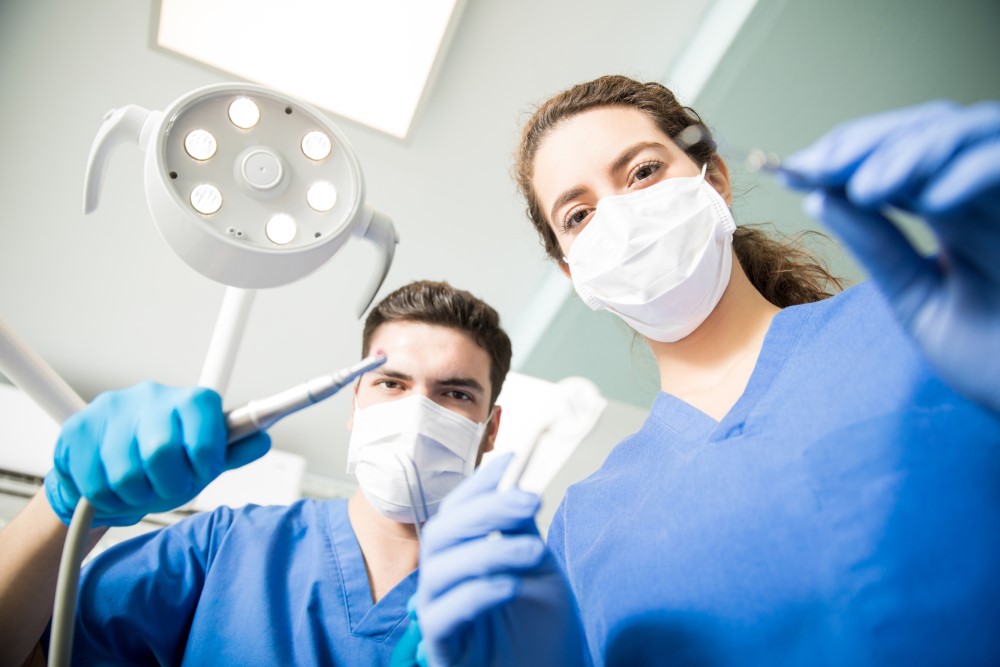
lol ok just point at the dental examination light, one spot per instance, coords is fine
(252, 189)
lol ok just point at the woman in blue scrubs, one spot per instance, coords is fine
(818, 481)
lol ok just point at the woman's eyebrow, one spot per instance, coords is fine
(626, 155)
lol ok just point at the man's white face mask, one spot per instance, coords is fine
(659, 258)
(408, 454)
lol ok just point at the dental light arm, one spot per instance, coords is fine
(380, 231)
(129, 124)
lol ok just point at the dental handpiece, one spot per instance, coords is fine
(262, 413)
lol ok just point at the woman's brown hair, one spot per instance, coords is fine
(784, 271)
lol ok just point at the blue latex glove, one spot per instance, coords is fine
(490, 599)
(941, 162)
(149, 448)
(408, 651)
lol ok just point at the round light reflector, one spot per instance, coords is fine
(280, 229)
(316, 145)
(200, 144)
(321, 196)
(206, 199)
(244, 113)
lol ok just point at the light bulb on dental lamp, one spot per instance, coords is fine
(252, 189)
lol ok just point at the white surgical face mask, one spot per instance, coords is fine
(390, 439)
(659, 258)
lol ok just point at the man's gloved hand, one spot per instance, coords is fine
(941, 162)
(493, 598)
(149, 448)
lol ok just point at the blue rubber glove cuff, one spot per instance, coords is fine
(410, 652)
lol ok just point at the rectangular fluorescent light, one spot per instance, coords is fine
(367, 61)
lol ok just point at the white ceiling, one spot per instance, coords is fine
(106, 302)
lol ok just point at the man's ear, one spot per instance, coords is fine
(490, 436)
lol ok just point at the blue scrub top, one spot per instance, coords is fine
(845, 512)
(254, 586)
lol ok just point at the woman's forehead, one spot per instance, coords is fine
(583, 146)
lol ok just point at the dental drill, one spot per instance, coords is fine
(261, 414)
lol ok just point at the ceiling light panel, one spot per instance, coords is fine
(371, 62)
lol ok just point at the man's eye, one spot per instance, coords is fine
(458, 395)
(389, 384)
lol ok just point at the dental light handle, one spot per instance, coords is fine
(129, 124)
(261, 414)
(380, 231)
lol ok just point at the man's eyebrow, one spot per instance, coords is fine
(382, 371)
(620, 163)
(469, 383)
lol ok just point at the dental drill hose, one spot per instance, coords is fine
(257, 415)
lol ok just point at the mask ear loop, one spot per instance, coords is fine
(409, 489)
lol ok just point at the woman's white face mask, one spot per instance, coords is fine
(408, 454)
(659, 258)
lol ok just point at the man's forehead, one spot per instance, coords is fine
(432, 351)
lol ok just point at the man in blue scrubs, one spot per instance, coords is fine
(318, 582)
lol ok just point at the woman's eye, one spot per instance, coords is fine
(644, 171)
(575, 218)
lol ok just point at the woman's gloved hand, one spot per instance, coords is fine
(490, 592)
(941, 162)
(149, 448)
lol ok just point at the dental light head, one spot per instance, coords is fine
(250, 187)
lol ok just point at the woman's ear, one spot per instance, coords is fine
(564, 267)
(718, 178)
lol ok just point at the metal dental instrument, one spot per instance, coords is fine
(262, 413)
(755, 159)
(409, 488)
